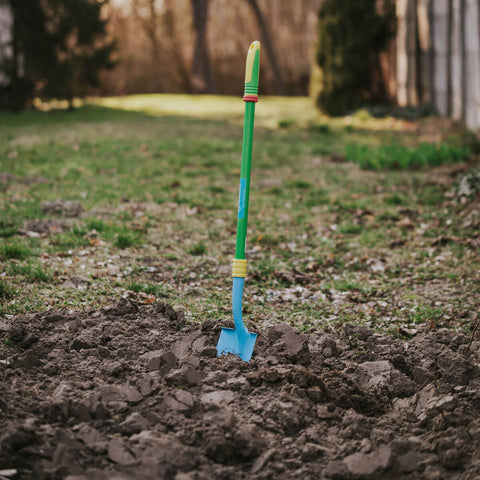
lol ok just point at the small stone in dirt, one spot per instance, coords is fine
(184, 397)
(363, 464)
(119, 393)
(146, 385)
(181, 401)
(118, 452)
(134, 423)
(199, 344)
(217, 398)
(89, 435)
(171, 403)
(192, 360)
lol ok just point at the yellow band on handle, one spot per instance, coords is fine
(239, 268)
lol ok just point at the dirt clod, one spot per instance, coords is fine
(43, 226)
(64, 208)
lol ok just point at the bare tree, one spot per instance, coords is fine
(176, 52)
(267, 42)
(145, 12)
(202, 79)
(163, 44)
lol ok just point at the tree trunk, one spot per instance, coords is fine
(17, 84)
(267, 41)
(202, 80)
(149, 24)
(176, 50)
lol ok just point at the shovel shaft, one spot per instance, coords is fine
(250, 98)
(244, 191)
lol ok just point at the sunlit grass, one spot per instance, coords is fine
(269, 110)
(157, 176)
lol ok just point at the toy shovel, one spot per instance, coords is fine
(239, 340)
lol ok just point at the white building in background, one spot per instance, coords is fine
(6, 50)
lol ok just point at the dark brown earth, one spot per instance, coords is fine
(137, 393)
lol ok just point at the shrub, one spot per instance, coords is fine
(351, 35)
(399, 157)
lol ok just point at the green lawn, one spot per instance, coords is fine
(351, 219)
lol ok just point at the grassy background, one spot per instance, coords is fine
(351, 219)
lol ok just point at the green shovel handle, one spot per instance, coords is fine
(250, 98)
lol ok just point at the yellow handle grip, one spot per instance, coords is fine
(252, 69)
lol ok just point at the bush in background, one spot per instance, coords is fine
(351, 34)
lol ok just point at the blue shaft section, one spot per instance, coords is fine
(242, 197)
(237, 294)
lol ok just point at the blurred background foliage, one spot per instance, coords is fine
(351, 36)
(74, 48)
(346, 54)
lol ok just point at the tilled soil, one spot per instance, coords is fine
(137, 393)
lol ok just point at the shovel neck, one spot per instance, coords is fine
(237, 295)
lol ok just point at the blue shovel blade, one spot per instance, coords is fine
(229, 342)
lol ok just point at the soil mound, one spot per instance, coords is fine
(137, 393)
